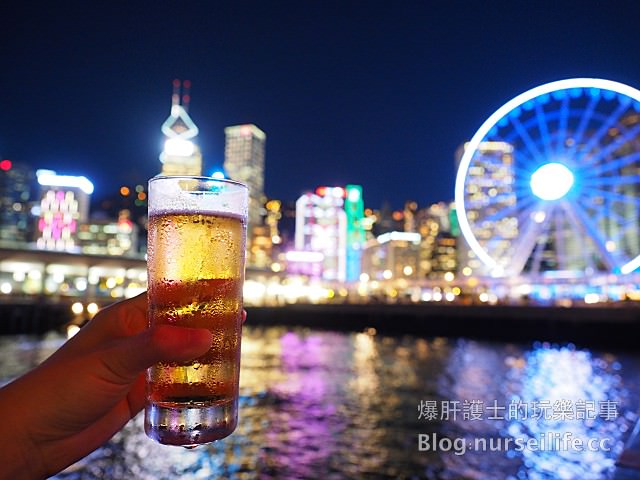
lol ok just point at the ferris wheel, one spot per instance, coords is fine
(551, 181)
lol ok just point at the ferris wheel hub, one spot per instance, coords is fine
(551, 181)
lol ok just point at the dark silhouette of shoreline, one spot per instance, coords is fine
(605, 326)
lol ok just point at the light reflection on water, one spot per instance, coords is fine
(336, 405)
(571, 377)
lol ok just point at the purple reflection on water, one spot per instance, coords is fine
(305, 429)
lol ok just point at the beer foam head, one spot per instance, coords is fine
(197, 194)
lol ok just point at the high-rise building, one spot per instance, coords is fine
(321, 227)
(64, 205)
(274, 215)
(624, 234)
(260, 252)
(17, 192)
(491, 176)
(108, 237)
(392, 256)
(244, 153)
(181, 155)
(356, 235)
(438, 244)
(444, 258)
(266, 240)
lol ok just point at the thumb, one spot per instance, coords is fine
(132, 355)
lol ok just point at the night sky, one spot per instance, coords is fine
(375, 93)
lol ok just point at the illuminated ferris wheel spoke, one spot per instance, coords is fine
(608, 217)
(563, 254)
(525, 191)
(538, 252)
(523, 246)
(579, 235)
(622, 236)
(526, 138)
(523, 174)
(509, 211)
(611, 181)
(582, 126)
(592, 231)
(562, 128)
(601, 133)
(532, 222)
(544, 130)
(614, 197)
(603, 214)
(619, 141)
(523, 217)
(612, 165)
(561, 182)
(535, 212)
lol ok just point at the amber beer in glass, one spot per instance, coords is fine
(195, 266)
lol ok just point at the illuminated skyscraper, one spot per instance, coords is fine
(17, 192)
(356, 235)
(392, 256)
(274, 215)
(64, 205)
(244, 162)
(624, 235)
(438, 244)
(321, 226)
(492, 176)
(108, 237)
(180, 156)
(265, 239)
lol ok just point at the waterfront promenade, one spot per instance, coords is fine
(615, 325)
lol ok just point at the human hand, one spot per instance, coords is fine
(87, 390)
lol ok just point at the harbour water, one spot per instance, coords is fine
(321, 404)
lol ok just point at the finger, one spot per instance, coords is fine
(121, 319)
(132, 355)
(137, 395)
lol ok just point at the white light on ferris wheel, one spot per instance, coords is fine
(551, 181)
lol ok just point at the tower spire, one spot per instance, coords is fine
(175, 98)
(180, 156)
(186, 96)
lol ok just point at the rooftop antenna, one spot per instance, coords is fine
(186, 97)
(175, 98)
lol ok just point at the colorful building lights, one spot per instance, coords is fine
(321, 226)
(64, 204)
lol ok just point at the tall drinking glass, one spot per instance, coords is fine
(195, 264)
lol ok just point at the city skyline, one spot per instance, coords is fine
(380, 97)
(563, 150)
